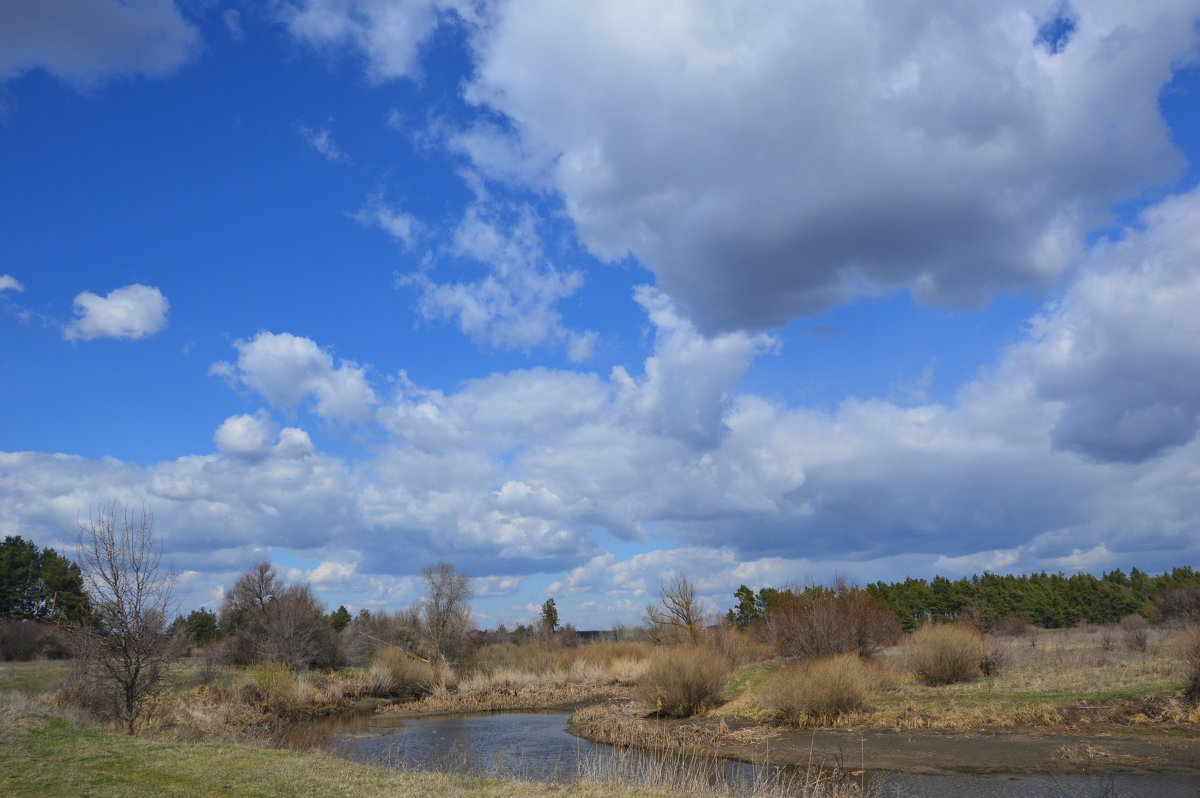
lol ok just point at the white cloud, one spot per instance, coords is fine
(10, 283)
(492, 586)
(257, 436)
(786, 157)
(233, 23)
(1119, 351)
(400, 225)
(512, 305)
(388, 32)
(135, 311)
(286, 369)
(321, 140)
(85, 41)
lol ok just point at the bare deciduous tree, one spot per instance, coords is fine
(677, 613)
(446, 619)
(296, 632)
(250, 595)
(122, 649)
(243, 612)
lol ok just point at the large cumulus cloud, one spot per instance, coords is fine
(785, 157)
(781, 158)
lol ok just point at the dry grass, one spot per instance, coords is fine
(1069, 679)
(396, 674)
(939, 654)
(685, 756)
(1189, 653)
(684, 680)
(817, 692)
(542, 659)
(534, 677)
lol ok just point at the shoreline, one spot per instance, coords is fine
(1017, 752)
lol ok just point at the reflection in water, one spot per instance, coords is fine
(536, 747)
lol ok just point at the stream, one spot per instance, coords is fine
(536, 746)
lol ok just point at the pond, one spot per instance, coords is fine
(536, 746)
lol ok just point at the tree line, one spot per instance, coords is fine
(1048, 600)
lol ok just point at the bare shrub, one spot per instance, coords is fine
(822, 621)
(993, 657)
(369, 632)
(397, 674)
(816, 691)
(938, 654)
(684, 680)
(21, 640)
(1135, 632)
(1178, 605)
(677, 615)
(1191, 661)
(1107, 639)
(738, 646)
(1014, 626)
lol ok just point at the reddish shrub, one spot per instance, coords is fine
(824, 621)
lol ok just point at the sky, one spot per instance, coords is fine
(580, 295)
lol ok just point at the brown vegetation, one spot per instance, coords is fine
(823, 621)
(938, 654)
(684, 680)
(817, 691)
(1135, 632)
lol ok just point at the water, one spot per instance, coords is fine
(528, 745)
(535, 746)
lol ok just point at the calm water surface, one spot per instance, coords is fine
(536, 746)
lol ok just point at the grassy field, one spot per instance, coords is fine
(1068, 679)
(39, 676)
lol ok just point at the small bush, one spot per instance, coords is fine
(1107, 639)
(1135, 631)
(1191, 661)
(1014, 626)
(684, 680)
(396, 674)
(20, 640)
(817, 691)
(993, 658)
(940, 654)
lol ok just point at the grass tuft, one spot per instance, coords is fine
(939, 654)
(818, 691)
(684, 680)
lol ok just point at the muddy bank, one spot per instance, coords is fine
(937, 752)
(905, 751)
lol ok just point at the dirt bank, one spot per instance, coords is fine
(907, 751)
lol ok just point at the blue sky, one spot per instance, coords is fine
(578, 295)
